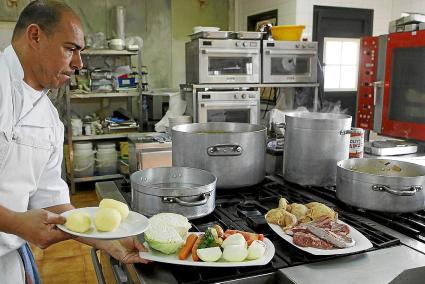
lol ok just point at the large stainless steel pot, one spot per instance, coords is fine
(314, 143)
(186, 191)
(381, 184)
(233, 152)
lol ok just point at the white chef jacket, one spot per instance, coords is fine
(31, 148)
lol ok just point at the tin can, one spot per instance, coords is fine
(356, 143)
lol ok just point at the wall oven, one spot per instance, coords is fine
(223, 105)
(218, 61)
(289, 62)
(391, 94)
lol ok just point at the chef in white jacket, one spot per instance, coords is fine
(45, 51)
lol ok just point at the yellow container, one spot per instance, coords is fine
(290, 33)
(124, 150)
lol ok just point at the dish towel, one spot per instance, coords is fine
(31, 272)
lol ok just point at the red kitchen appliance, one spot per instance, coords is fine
(391, 91)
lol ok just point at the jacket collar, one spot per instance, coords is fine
(17, 77)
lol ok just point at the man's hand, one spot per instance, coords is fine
(38, 226)
(125, 250)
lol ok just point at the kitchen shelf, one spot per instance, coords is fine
(98, 178)
(120, 94)
(105, 52)
(77, 98)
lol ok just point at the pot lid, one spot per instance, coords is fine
(173, 181)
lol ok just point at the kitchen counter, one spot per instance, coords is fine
(398, 263)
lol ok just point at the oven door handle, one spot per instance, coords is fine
(230, 51)
(291, 53)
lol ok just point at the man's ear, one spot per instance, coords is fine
(33, 35)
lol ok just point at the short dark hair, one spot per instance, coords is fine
(47, 14)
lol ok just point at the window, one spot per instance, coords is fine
(341, 63)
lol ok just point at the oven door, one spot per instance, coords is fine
(229, 65)
(403, 112)
(243, 112)
(289, 66)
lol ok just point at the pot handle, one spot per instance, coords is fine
(411, 191)
(225, 150)
(205, 197)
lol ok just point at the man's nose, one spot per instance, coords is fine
(77, 62)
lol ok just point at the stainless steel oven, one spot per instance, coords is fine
(229, 106)
(218, 61)
(289, 62)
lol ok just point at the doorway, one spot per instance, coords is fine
(338, 31)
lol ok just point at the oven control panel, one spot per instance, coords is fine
(367, 76)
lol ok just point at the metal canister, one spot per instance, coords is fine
(356, 143)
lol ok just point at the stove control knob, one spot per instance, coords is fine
(236, 96)
(243, 96)
(297, 46)
(238, 43)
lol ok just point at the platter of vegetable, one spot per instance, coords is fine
(231, 248)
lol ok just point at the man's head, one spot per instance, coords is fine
(48, 38)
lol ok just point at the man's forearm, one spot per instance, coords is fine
(8, 222)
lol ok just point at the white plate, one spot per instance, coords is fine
(362, 243)
(173, 258)
(134, 224)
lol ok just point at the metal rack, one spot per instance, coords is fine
(79, 95)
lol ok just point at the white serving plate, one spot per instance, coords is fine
(157, 256)
(134, 224)
(362, 243)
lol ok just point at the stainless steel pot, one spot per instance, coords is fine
(186, 191)
(381, 184)
(233, 152)
(314, 143)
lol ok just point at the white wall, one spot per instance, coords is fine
(381, 12)
(412, 6)
(300, 12)
(286, 14)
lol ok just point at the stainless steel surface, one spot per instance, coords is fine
(97, 267)
(379, 266)
(313, 145)
(378, 96)
(228, 106)
(182, 190)
(192, 141)
(223, 61)
(144, 153)
(211, 35)
(360, 183)
(270, 278)
(289, 62)
(249, 35)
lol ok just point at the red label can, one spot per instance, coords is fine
(356, 143)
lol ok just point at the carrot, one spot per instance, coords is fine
(195, 256)
(186, 249)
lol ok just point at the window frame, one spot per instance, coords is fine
(327, 39)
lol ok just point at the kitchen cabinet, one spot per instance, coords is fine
(76, 100)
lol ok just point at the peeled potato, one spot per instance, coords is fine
(107, 219)
(78, 221)
(111, 203)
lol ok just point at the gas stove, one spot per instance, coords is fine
(244, 209)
